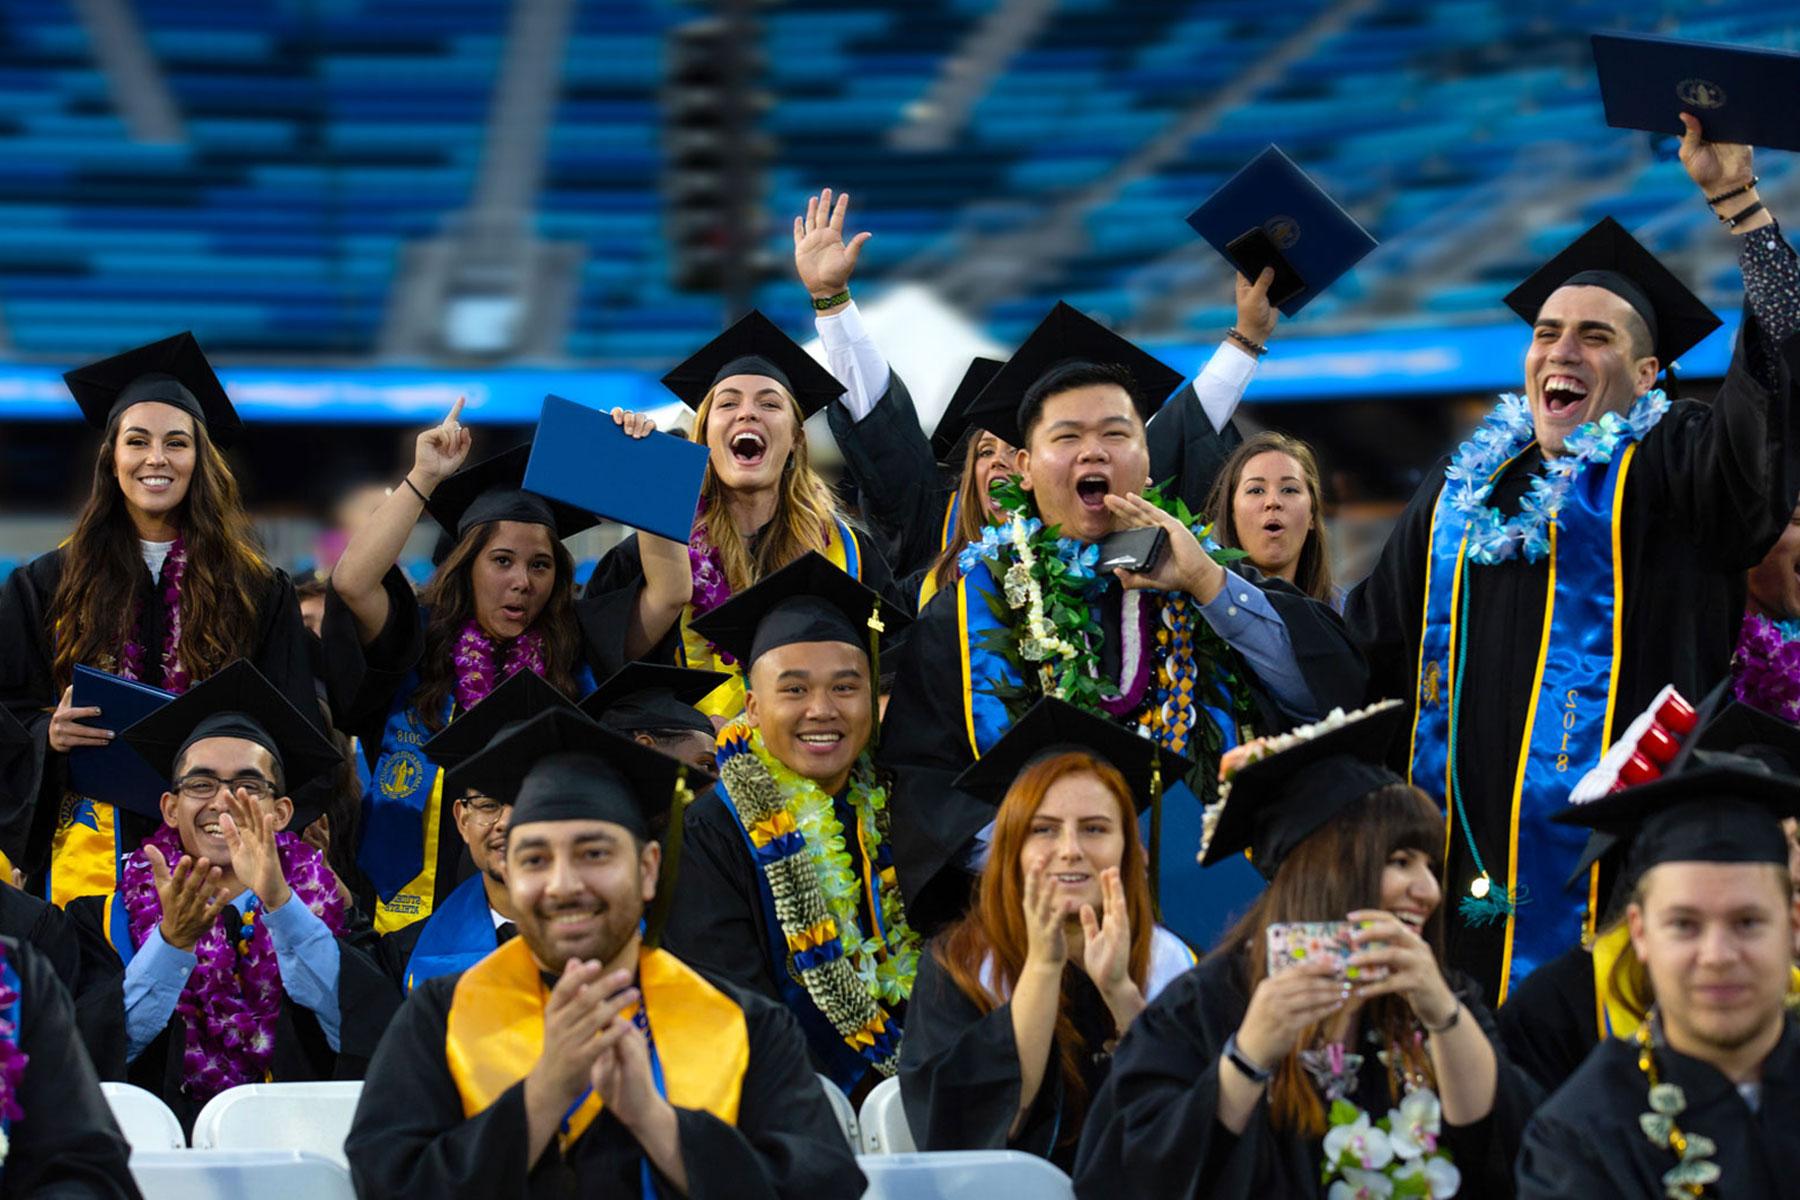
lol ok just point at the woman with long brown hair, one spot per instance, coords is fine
(161, 582)
(1018, 1005)
(762, 506)
(1266, 502)
(401, 667)
(1325, 1010)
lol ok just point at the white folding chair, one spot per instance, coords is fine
(883, 1120)
(840, 1108)
(237, 1174)
(314, 1117)
(146, 1122)
(963, 1175)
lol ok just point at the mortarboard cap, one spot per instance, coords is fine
(582, 458)
(514, 700)
(238, 702)
(1272, 214)
(1009, 401)
(1742, 94)
(1606, 256)
(173, 371)
(809, 600)
(493, 490)
(643, 696)
(1052, 726)
(1727, 811)
(1272, 804)
(955, 422)
(755, 346)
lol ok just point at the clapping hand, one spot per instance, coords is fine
(1046, 944)
(581, 1005)
(249, 829)
(1106, 950)
(192, 896)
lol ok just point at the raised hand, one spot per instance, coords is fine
(636, 424)
(1045, 942)
(1106, 950)
(1256, 317)
(249, 830)
(1411, 969)
(67, 730)
(1284, 1006)
(440, 450)
(192, 896)
(823, 261)
(1185, 565)
(1715, 166)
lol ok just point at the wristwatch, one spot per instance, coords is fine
(1235, 1057)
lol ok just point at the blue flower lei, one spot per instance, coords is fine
(1507, 431)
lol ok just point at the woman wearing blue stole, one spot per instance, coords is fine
(401, 668)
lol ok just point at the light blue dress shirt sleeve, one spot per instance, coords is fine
(307, 956)
(153, 982)
(1243, 616)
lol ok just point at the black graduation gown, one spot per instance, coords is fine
(1548, 1020)
(925, 741)
(31, 790)
(1708, 493)
(1154, 1132)
(411, 1141)
(367, 999)
(1585, 1140)
(959, 1071)
(67, 1144)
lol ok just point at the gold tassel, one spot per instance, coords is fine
(1156, 832)
(671, 862)
(876, 629)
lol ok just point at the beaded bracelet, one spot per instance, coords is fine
(831, 302)
(1253, 346)
(1733, 193)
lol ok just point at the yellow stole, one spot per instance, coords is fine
(495, 1034)
(413, 902)
(727, 700)
(84, 859)
(1613, 1018)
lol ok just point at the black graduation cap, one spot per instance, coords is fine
(1607, 256)
(1066, 335)
(492, 490)
(1052, 726)
(238, 702)
(173, 371)
(956, 422)
(809, 600)
(1728, 811)
(1280, 800)
(755, 346)
(651, 696)
(514, 700)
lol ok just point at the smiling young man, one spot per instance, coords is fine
(1521, 643)
(575, 1059)
(1188, 650)
(787, 881)
(236, 960)
(1707, 1091)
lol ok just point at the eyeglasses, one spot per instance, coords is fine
(484, 813)
(205, 787)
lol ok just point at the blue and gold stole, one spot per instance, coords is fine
(727, 700)
(1571, 720)
(457, 936)
(87, 851)
(494, 1035)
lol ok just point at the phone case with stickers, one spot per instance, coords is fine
(1294, 942)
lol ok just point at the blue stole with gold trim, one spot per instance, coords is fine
(400, 783)
(456, 936)
(1570, 724)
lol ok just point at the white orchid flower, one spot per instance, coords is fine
(1361, 1185)
(1442, 1179)
(1417, 1124)
(1368, 1146)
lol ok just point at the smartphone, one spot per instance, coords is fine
(1133, 549)
(1253, 253)
(1294, 942)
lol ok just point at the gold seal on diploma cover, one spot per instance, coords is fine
(1284, 231)
(1701, 93)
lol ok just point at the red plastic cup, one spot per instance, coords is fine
(1659, 745)
(1638, 770)
(1677, 716)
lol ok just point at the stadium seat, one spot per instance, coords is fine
(238, 1175)
(840, 1108)
(313, 1117)
(962, 1175)
(883, 1121)
(146, 1122)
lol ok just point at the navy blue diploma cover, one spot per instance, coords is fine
(116, 774)
(580, 457)
(1741, 94)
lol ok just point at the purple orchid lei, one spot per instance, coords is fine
(474, 659)
(131, 660)
(233, 997)
(711, 587)
(12, 1059)
(1766, 666)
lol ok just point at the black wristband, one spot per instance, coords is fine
(1733, 221)
(1734, 193)
(1447, 1026)
(831, 302)
(407, 480)
(1251, 1071)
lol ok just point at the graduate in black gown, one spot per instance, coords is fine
(234, 957)
(59, 1134)
(401, 667)
(1653, 536)
(1189, 651)
(787, 876)
(161, 581)
(578, 1059)
(1704, 1097)
(1227, 1084)
(653, 705)
(762, 506)
(1018, 1006)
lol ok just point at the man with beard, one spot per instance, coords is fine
(1704, 1098)
(576, 1059)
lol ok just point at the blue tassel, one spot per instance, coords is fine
(1492, 908)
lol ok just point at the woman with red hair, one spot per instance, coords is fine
(1018, 1005)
